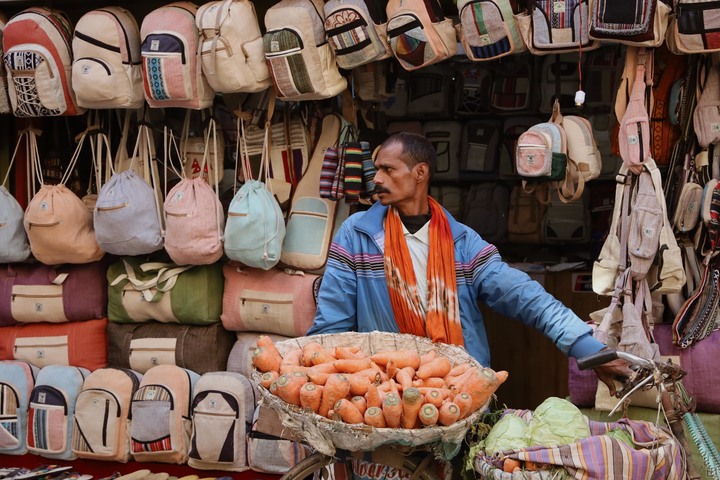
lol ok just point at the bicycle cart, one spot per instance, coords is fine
(409, 450)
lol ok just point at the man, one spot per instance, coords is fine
(406, 265)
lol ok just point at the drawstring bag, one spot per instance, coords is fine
(14, 246)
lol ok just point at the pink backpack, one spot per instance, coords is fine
(172, 76)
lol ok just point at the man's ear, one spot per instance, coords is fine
(422, 171)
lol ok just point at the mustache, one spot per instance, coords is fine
(379, 189)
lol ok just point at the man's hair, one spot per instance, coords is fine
(416, 149)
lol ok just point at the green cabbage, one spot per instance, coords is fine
(557, 422)
(622, 435)
(509, 433)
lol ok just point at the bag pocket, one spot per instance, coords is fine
(9, 425)
(47, 420)
(309, 216)
(645, 225)
(146, 353)
(215, 417)
(37, 88)
(354, 42)
(286, 58)
(42, 351)
(94, 81)
(533, 156)
(635, 140)
(166, 65)
(140, 310)
(97, 422)
(37, 303)
(410, 42)
(258, 309)
(150, 429)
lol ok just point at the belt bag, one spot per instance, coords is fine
(79, 344)
(40, 293)
(140, 291)
(140, 347)
(276, 301)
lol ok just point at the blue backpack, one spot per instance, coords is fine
(17, 380)
(52, 411)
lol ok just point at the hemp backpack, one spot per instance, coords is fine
(17, 380)
(231, 50)
(172, 76)
(38, 60)
(356, 31)
(102, 415)
(488, 29)
(14, 246)
(106, 72)
(300, 59)
(706, 118)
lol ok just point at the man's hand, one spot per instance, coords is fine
(614, 370)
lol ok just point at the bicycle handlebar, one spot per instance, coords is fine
(610, 354)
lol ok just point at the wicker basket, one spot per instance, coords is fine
(326, 435)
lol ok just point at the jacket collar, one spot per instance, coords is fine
(372, 222)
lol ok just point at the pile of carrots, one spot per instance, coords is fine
(390, 389)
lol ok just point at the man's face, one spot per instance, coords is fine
(395, 181)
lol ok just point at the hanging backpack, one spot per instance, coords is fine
(706, 118)
(231, 53)
(58, 224)
(480, 149)
(171, 74)
(557, 27)
(161, 415)
(513, 84)
(418, 33)
(525, 217)
(301, 61)
(541, 153)
(640, 23)
(604, 67)
(5, 106)
(127, 213)
(488, 205)
(694, 26)
(566, 222)
(38, 59)
(106, 72)
(222, 411)
(559, 80)
(488, 29)
(52, 411)
(194, 219)
(473, 89)
(17, 380)
(446, 138)
(102, 415)
(14, 246)
(356, 31)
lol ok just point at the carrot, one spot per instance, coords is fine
(374, 417)
(448, 413)
(532, 466)
(358, 384)
(428, 415)
(292, 358)
(404, 377)
(481, 385)
(351, 365)
(392, 410)
(292, 368)
(393, 387)
(412, 400)
(446, 392)
(343, 353)
(322, 356)
(380, 370)
(434, 397)
(371, 374)
(332, 415)
(327, 367)
(347, 411)
(502, 375)
(459, 369)
(439, 367)
(510, 464)
(266, 360)
(308, 350)
(464, 403)
(402, 358)
(432, 382)
(428, 357)
(360, 403)
(267, 342)
(391, 369)
(267, 378)
(336, 387)
(289, 385)
(310, 396)
(374, 396)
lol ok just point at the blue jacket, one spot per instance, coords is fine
(354, 295)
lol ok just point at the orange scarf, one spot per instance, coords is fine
(442, 321)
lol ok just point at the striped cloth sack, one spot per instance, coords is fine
(327, 174)
(369, 170)
(353, 172)
(657, 454)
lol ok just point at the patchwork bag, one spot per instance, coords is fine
(473, 89)
(446, 138)
(58, 224)
(640, 23)
(102, 415)
(276, 301)
(541, 152)
(706, 117)
(604, 66)
(222, 410)
(513, 84)
(14, 245)
(694, 26)
(162, 415)
(567, 222)
(52, 411)
(430, 93)
(80, 344)
(17, 380)
(268, 453)
(140, 290)
(488, 206)
(557, 27)
(106, 71)
(480, 150)
(559, 80)
(142, 346)
(33, 293)
(488, 29)
(512, 128)
(231, 50)
(418, 33)
(300, 59)
(172, 76)
(356, 31)
(38, 58)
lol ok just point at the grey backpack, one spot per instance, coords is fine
(14, 245)
(486, 211)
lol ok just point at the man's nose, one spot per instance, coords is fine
(378, 177)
